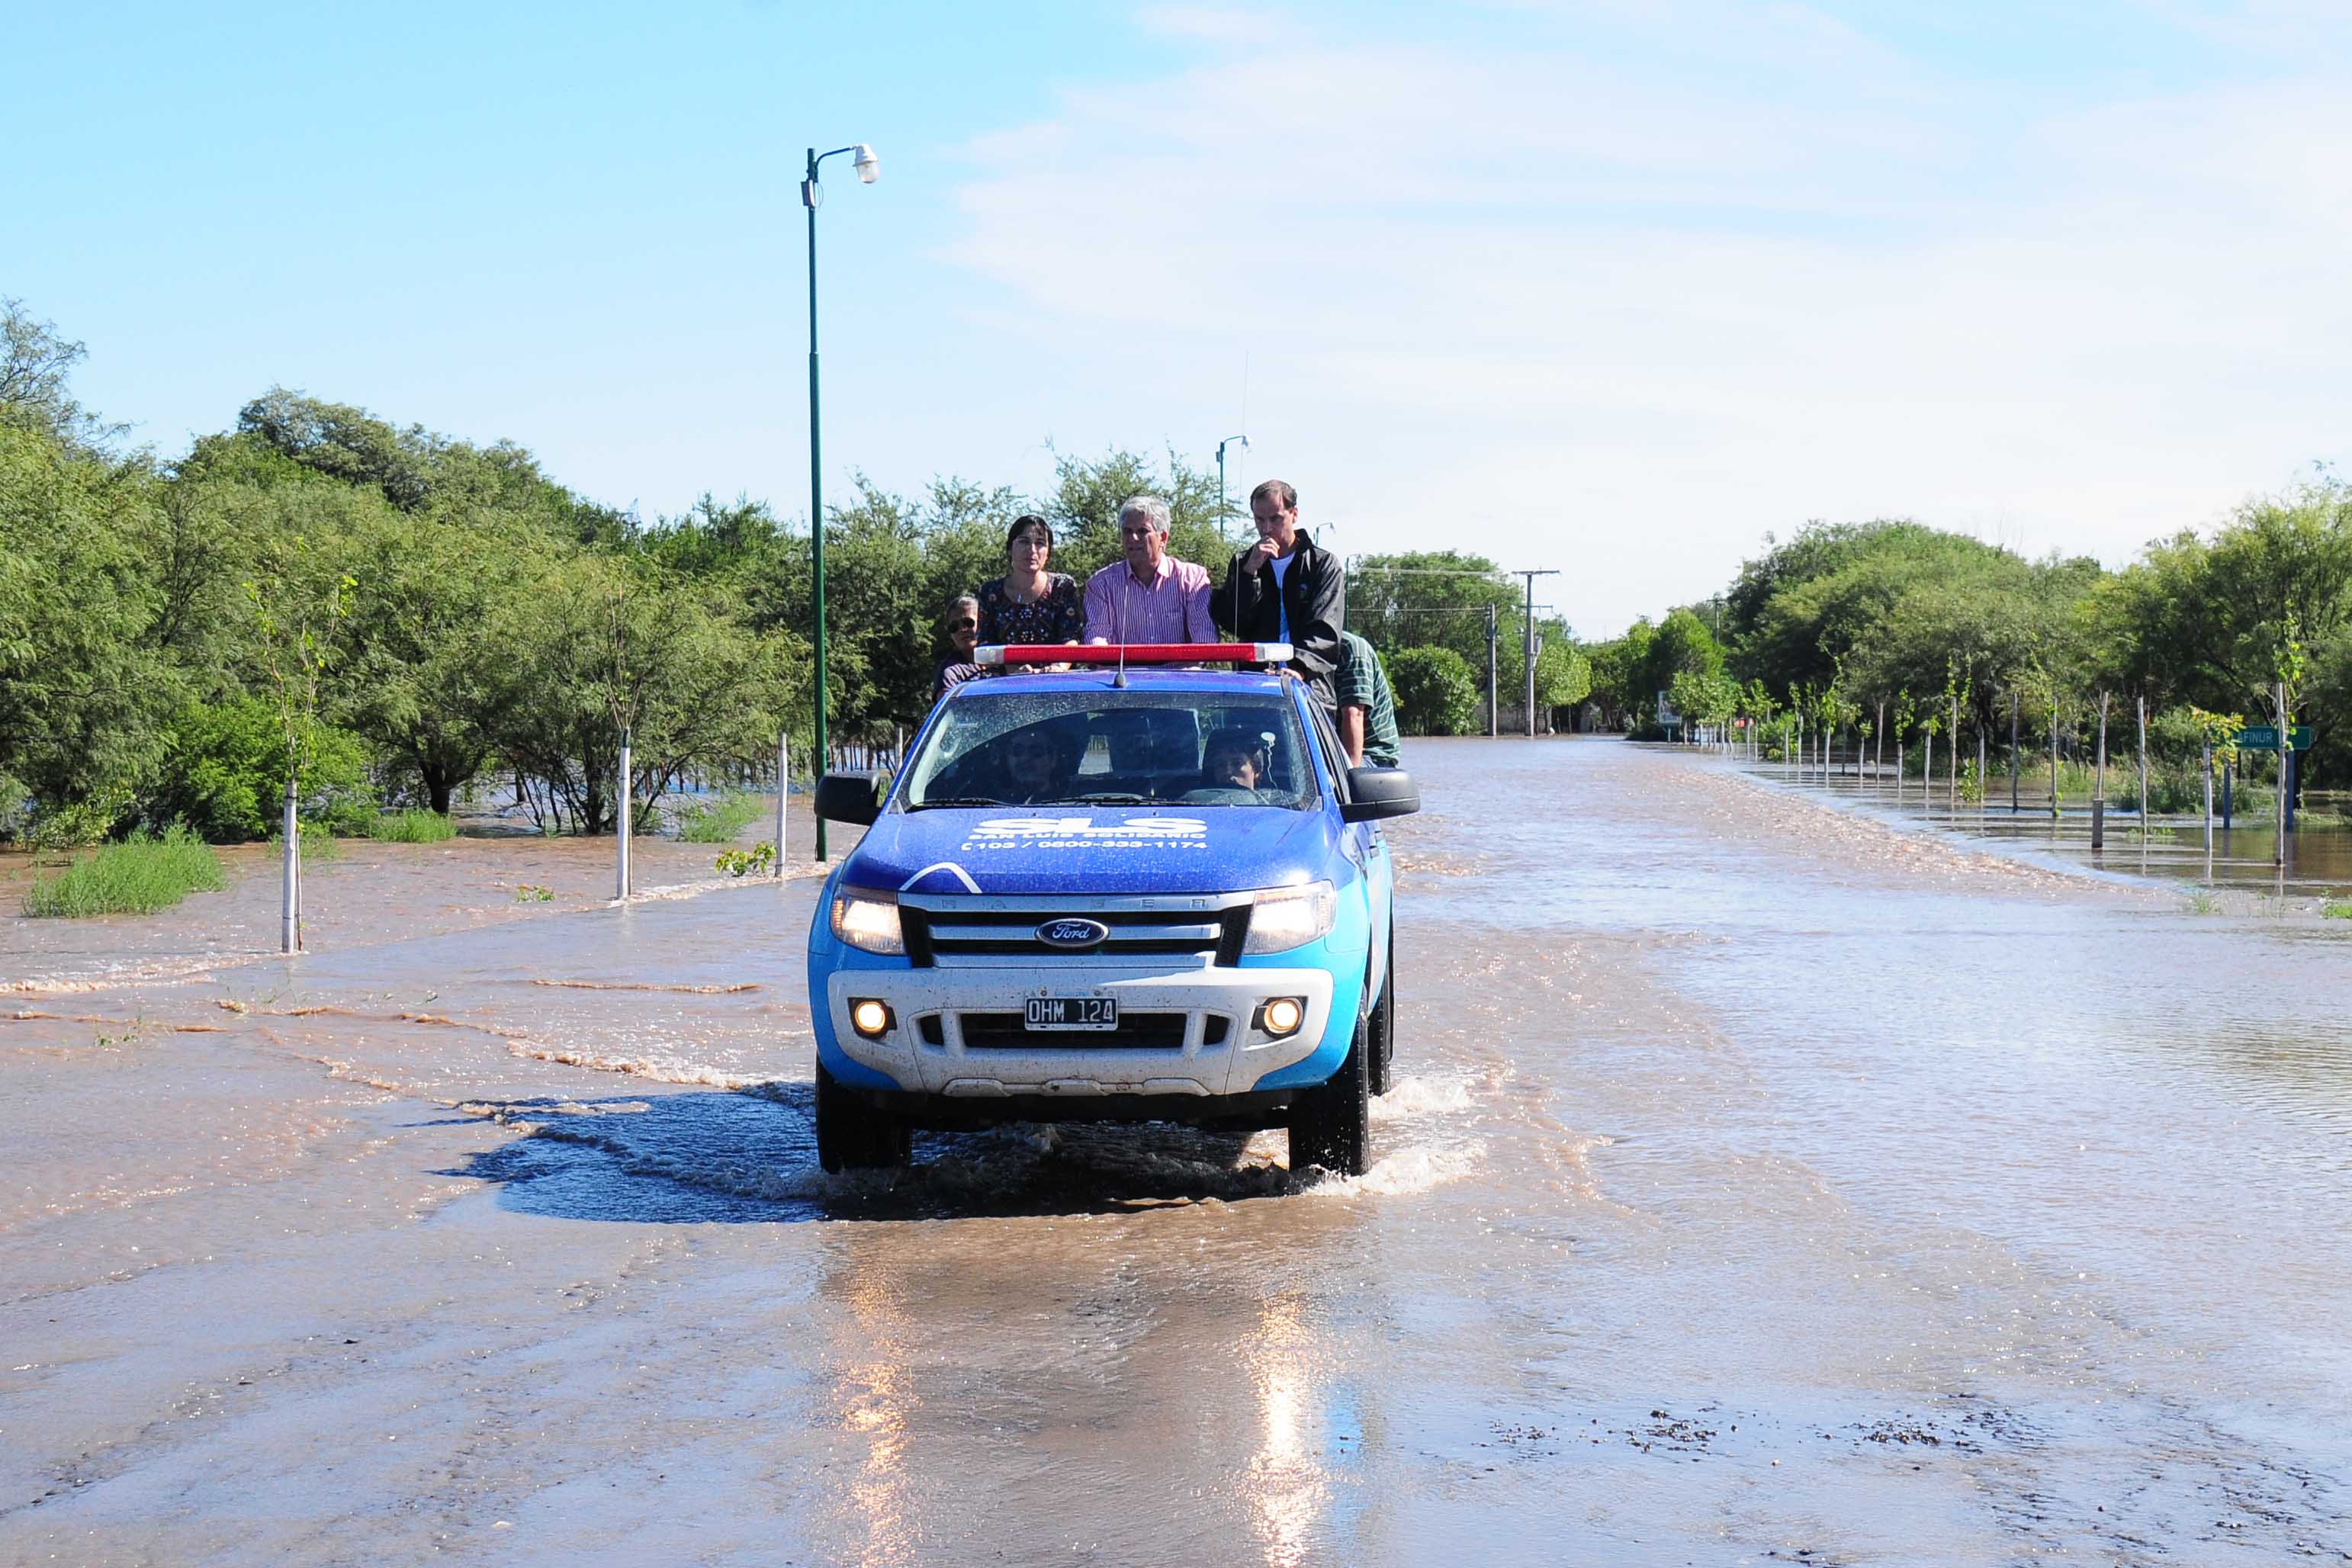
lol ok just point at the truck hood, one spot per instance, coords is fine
(1097, 850)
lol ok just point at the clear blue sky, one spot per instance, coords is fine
(1611, 286)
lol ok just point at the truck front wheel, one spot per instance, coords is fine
(853, 1136)
(1383, 1026)
(1330, 1125)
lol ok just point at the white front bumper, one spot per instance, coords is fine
(1079, 1068)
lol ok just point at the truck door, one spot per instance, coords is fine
(1366, 845)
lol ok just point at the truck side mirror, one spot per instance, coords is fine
(1378, 793)
(851, 797)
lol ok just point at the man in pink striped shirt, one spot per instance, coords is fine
(1150, 597)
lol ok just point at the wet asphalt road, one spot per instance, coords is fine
(1765, 1185)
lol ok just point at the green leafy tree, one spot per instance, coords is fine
(423, 677)
(226, 777)
(1435, 692)
(301, 598)
(85, 693)
(1707, 698)
(597, 643)
(1436, 598)
(36, 394)
(1084, 510)
(1617, 674)
(1682, 643)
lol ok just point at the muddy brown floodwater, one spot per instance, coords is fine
(1768, 1182)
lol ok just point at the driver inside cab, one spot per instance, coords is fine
(1234, 764)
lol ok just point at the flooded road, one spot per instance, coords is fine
(1767, 1183)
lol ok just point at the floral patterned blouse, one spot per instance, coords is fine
(1059, 616)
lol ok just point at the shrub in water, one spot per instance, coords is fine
(225, 775)
(718, 821)
(414, 826)
(137, 876)
(746, 862)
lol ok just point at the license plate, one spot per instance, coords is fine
(1072, 1013)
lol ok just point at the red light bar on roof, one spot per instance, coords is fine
(1133, 653)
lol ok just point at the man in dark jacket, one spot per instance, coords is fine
(1282, 589)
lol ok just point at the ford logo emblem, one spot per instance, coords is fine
(1073, 933)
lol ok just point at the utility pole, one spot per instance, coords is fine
(1493, 641)
(1531, 576)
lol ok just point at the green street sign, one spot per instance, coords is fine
(2265, 738)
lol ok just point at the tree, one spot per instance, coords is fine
(1435, 692)
(597, 643)
(36, 364)
(421, 681)
(1563, 673)
(1433, 598)
(1084, 510)
(1682, 643)
(85, 694)
(1707, 698)
(1617, 673)
(301, 599)
(342, 442)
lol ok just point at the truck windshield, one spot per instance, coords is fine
(1113, 748)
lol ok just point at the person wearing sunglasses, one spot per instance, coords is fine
(1030, 604)
(963, 627)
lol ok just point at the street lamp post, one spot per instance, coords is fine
(1241, 441)
(869, 169)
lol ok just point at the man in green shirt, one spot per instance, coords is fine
(1367, 705)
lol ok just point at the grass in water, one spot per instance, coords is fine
(319, 846)
(2336, 909)
(718, 821)
(412, 826)
(2204, 903)
(137, 876)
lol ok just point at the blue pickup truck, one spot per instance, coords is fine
(1160, 894)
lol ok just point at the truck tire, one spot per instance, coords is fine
(1330, 1125)
(853, 1136)
(1383, 1025)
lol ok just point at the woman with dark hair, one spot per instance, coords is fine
(1029, 603)
(963, 634)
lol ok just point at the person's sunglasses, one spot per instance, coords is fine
(967, 625)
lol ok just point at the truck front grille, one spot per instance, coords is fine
(937, 928)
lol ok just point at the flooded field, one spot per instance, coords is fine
(2237, 853)
(1771, 1180)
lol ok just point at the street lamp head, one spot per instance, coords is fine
(868, 166)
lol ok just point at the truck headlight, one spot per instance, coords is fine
(1285, 918)
(868, 919)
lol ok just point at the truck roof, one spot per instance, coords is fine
(1139, 678)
